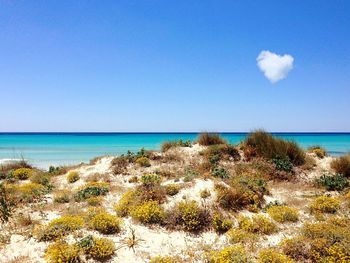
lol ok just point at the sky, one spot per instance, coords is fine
(174, 65)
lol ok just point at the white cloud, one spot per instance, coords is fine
(275, 67)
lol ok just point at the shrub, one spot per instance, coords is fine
(190, 216)
(26, 193)
(341, 165)
(60, 252)
(325, 204)
(244, 192)
(5, 206)
(221, 224)
(214, 153)
(148, 213)
(105, 223)
(22, 173)
(125, 203)
(190, 174)
(207, 139)
(283, 164)
(333, 182)
(41, 178)
(149, 180)
(120, 165)
(319, 151)
(62, 196)
(172, 189)
(143, 162)
(232, 254)
(97, 248)
(236, 235)
(72, 177)
(296, 248)
(270, 147)
(309, 164)
(270, 255)
(59, 227)
(257, 224)
(91, 189)
(283, 213)
(220, 172)
(94, 200)
(171, 144)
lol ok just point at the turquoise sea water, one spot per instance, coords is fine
(45, 149)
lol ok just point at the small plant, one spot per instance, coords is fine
(205, 194)
(149, 180)
(325, 204)
(207, 139)
(166, 259)
(105, 223)
(221, 224)
(230, 254)
(319, 151)
(59, 227)
(119, 165)
(172, 144)
(236, 235)
(60, 252)
(190, 174)
(341, 165)
(257, 224)
(94, 200)
(283, 214)
(270, 255)
(91, 189)
(133, 179)
(126, 203)
(148, 213)
(28, 192)
(97, 248)
(283, 164)
(220, 172)
(172, 189)
(62, 196)
(143, 161)
(72, 177)
(22, 173)
(333, 182)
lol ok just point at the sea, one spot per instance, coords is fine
(46, 149)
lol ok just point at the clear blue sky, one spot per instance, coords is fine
(172, 65)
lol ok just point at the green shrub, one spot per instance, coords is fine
(148, 213)
(149, 180)
(91, 189)
(232, 254)
(72, 177)
(207, 139)
(41, 178)
(22, 173)
(143, 161)
(333, 182)
(341, 165)
(318, 150)
(97, 248)
(283, 164)
(325, 204)
(270, 147)
(172, 144)
(281, 213)
(105, 223)
(190, 174)
(220, 172)
(172, 189)
(61, 252)
(221, 224)
(59, 227)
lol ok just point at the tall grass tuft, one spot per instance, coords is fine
(342, 165)
(207, 139)
(270, 147)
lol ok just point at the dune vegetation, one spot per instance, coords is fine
(264, 200)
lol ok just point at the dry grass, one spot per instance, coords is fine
(207, 139)
(342, 165)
